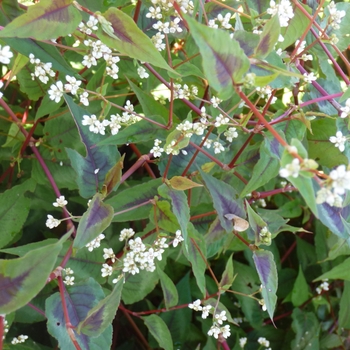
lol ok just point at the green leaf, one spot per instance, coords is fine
(339, 272)
(224, 200)
(306, 327)
(170, 294)
(195, 254)
(131, 40)
(94, 221)
(113, 177)
(180, 208)
(300, 292)
(138, 286)
(159, 330)
(268, 37)
(344, 307)
(227, 277)
(44, 21)
(127, 204)
(165, 217)
(14, 210)
(22, 279)
(224, 64)
(80, 298)
(91, 170)
(264, 170)
(267, 271)
(101, 316)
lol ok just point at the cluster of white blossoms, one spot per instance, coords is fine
(309, 77)
(265, 236)
(68, 279)
(89, 26)
(42, 71)
(324, 286)
(217, 327)
(304, 56)
(339, 140)
(5, 54)
(264, 342)
(185, 91)
(243, 342)
(115, 123)
(51, 222)
(335, 16)
(345, 110)
(95, 243)
(224, 21)
(157, 150)
(284, 10)
(265, 92)
(20, 339)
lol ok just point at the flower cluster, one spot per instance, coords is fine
(42, 71)
(284, 10)
(89, 26)
(185, 91)
(51, 222)
(224, 21)
(265, 236)
(217, 328)
(335, 16)
(20, 339)
(264, 342)
(345, 110)
(266, 92)
(324, 286)
(5, 54)
(95, 243)
(141, 257)
(68, 280)
(339, 140)
(157, 150)
(178, 238)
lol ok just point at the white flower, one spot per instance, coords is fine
(60, 202)
(56, 91)
(215, 101)
(221, 120)
(51, 222)
(218, 147)
(284, 10)
(341, 180)
(136, 245)
(264, 342)
(291, 169)
(225, 331)
(84, 98)
(126, 233)
(324, 195)
(106, 270)
(158, 41)
(178, 238)
(91, 121)
(142, 73)
(73, 85)
(115, 124)
(345, 110)
(69, 280)
(221, 317)
(339, 141)
(242, 342)
(231, 134)
(157, 150)
(309, 78)
(20, 339)
(92, 23)
(68, 271)
(335, 16)
(205, 311)
(5, 54)
(196, 305)
(95, 243)
(109, 254)
(323, 286)
(129, 265)
(224, 21)
(214, 331)
(154, 13)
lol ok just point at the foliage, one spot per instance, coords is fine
(174, 174)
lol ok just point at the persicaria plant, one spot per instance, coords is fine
(174, 174)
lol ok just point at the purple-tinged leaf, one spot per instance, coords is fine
(22, 279)
(247, 41)
(44, 21)
(195, 257)
(113, 177)
(215, 232)
(227, 277)
(91, 170)
(102, 315)
(224, 62)
(134, 197)
(224, 200)
(165, 216)
(171, 296)
(130, 39)
(180, 208)
(80, 299)
(267, 271)
(158, 328)
(268, 37)
(94, 221)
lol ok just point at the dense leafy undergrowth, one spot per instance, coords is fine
(174, 174)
